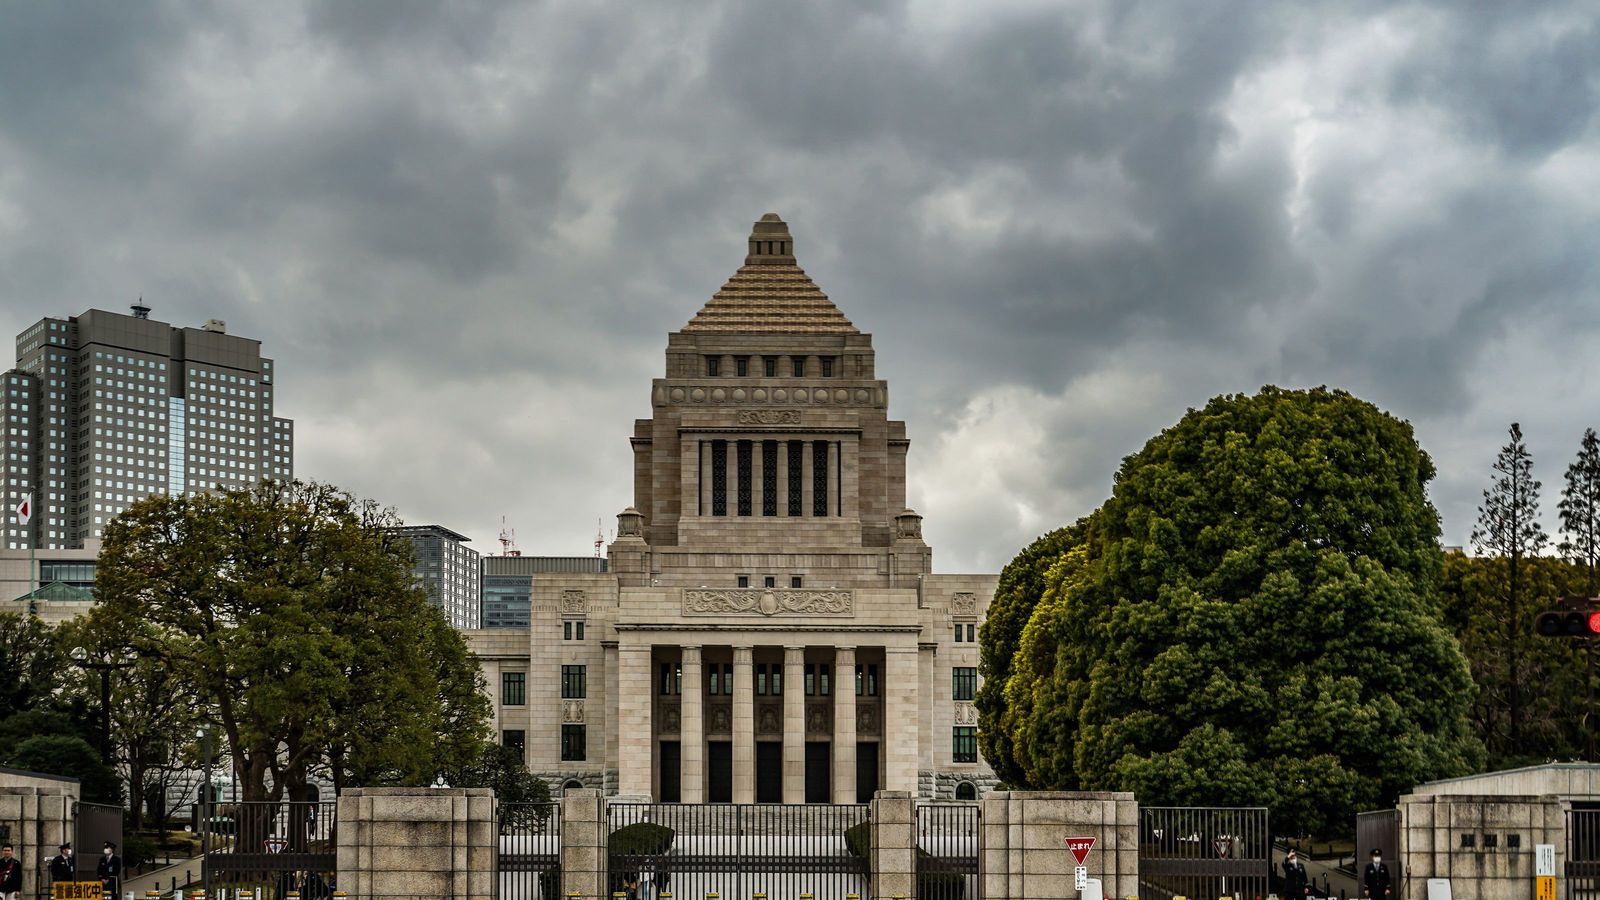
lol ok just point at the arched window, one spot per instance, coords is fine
(571, 784)
(966, 790)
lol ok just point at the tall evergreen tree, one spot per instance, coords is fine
(1508, 526)
(1580, 510)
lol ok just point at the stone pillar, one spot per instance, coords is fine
(1430, 846)
(689, 476)
(613, 706)
(691, 728)
(634, 701)
(900, 705)
(783, 478)
(381, 829)
(744, 727)
(794, 725)
(835, 476)
(583, 845)
(893, 832)
(926, 673)
(850, 477)
(844, 725)
(808, 485)
(39, 810)
(1022, 855)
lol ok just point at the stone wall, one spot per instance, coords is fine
(1024, 856)
(1483, 844)
(439, 842)
(942, 785)
(37, 811)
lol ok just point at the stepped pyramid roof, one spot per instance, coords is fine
(770, 292)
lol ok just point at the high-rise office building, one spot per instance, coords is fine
(104, 409)
(508, 584)
(448, 568)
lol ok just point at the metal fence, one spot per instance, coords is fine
(1203, 852)
(737, 850)
(530, 851)
(947, 852)
(271, 847)
(1583, 854)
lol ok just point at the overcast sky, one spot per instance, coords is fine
(465, 229)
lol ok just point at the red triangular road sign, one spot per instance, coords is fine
(1080, 847)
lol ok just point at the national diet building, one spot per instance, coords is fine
(770, 629)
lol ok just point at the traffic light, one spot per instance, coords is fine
(1577, 619)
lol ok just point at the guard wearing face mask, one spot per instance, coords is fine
(62, 866)
(1294, 877)
(1375, 884)
(109, 870)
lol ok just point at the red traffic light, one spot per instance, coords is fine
(1567, 623)
(1594, 622)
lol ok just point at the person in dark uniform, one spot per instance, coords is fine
(1375, 883)
(109, 870)
(10, 874)
(62, 866)
(1294, 877)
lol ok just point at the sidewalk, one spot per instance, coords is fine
(161, 879)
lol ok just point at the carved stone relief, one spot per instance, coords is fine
(574, 601)
(769, 602)
(572, 711)
(671, 720)
(866, 720)
(966, 714)
(769, 720)
(720, 720)
(816, 719)
(963, 603)
(769, 417)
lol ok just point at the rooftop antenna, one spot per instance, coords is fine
(140, 311)
(599, 536)
(508, 540)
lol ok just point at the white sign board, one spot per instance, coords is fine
(1092, 890)
(1080, 877)
(1439, 889)
(1544, 860)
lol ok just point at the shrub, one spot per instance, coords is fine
(641, 839)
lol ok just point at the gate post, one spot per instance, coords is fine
(893, 856)
(583, 844)
(440, 842)
(1023, 855)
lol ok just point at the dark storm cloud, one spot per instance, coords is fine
(464, 229)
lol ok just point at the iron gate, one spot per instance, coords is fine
(947, 852)
(271, 846)
(737, 850)
(1203, 852)
(530, 851)
(1583, 854)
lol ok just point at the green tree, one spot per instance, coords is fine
(1473, 596)
(1508, 526)
(1580, 511)
(60, 754)
(34, 666)
(285, 612)
(1021, 586)
(1255, 621)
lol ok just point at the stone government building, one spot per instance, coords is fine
(770, 628)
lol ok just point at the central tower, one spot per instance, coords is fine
(770, 457)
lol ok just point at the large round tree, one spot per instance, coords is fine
(1255, 621)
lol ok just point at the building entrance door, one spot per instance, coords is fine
(866, 771)
(719, 772)
(769, 771)
(671, 779)
(819, 783)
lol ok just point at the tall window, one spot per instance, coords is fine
(817, 680)
(866, 679)
(671, 678)
(964, 744)
(513, 688)
(819, 478)
(744, 478)
(798, 365)
(514, 738)
(797, 475)
(719, 478)
(827, 366)
(741, 366)
(574, 743)
(719, 678)
(963, 682)
(761, 679)
(713, 366)
(771, 364)
(573, 683)
(769, 478)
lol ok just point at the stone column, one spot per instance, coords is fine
(783, 478)
(583, 845)
(613, 706)
(900, 704)
(844, 725)
(758, 492)
(894, 842)
(926, 669)
(850, 477)
(835, 476)
(634, 701)
(808, 485)
(381, 829)
(689, 476)
(692, 728)
(744, 727)
(794, 725)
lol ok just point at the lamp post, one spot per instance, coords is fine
(204, 734)
(104, 663)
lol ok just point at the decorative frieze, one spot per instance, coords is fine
(769, 417)
(671, 719)
(572, 712)
(769, 602)
(966, 714)
(866, 720)
(720, 721)
(769, 720)
(574, 602)
(817, 719)
(963, 603)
